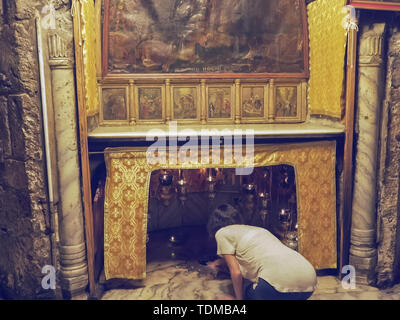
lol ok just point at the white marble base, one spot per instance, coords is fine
(168, 281)
(187, 285)
(174, 271)
(261, 131)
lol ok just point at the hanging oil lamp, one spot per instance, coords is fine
(182, 188)
(285, 179)
(264, 199)
(265, 195)
(292, 239)
(285, 219)
(165, 191)
(248, 202)
(289, 237)
(211, 182)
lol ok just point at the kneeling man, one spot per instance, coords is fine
(275, 271)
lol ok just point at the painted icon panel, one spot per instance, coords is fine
(150, 103)
(253, 102)
(286, 102)
(220, 104)
(185, 103)
(114, 104)
(202, 36)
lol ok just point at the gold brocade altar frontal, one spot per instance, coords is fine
(127, 197)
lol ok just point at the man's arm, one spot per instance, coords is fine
(236, 275)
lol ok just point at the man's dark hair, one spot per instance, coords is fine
(223, 216)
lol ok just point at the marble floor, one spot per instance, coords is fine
(174, 272)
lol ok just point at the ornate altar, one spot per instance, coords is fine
(205, 65)
(127, 197)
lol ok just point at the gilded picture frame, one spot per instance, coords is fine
(150, 104)
(114, 104)
(163, 39)
(190, 102)
(257, 61)
(386, 5)
(185, 103)
(254, 103)
(288, 104)
(220, 103)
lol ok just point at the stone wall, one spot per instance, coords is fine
(25, 230)
(388, 266)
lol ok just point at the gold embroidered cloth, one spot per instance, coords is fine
(127, 196)
(89, 56)
(327, 57)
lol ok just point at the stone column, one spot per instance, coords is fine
(363, 252)
(74, 276)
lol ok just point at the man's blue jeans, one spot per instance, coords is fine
(264, 291)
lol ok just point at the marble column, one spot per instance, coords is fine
(73, 262)
(363, 252)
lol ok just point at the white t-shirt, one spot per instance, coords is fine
(261, 255)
